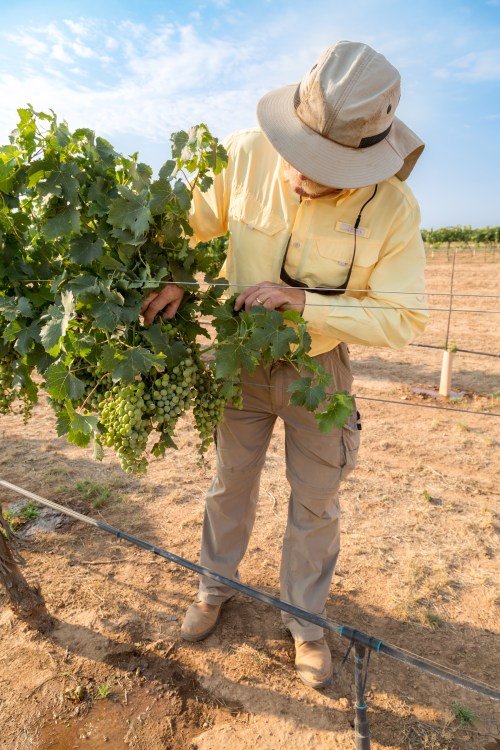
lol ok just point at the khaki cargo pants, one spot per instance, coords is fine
(315, 465)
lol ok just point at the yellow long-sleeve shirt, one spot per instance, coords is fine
(384, 304)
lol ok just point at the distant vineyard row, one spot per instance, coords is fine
(462, 235)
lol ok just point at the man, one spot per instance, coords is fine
(320, 221)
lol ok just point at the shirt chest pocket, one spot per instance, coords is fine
(250, 214)
(338, 252)
(333, 257)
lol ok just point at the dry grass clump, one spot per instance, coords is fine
(421, 582)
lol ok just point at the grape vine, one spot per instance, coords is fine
(85, 234)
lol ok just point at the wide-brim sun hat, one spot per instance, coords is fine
(337, 126)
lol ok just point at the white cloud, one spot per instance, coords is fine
(475, 66)
(29, 43)
(82, 50)
(80, 28)
(152, 81)
(58, 53)
(163, 79)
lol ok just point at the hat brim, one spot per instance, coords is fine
(328, 162)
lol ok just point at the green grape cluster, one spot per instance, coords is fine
(237, 395)
(172, 394)
(7, 393)
(127, 424)
(208, 409)
(129, 413)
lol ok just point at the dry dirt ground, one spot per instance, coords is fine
(417, 569)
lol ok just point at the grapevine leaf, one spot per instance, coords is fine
(140, 174)
(136, 361)
(179, 142)
(129, 212)
(293, 316)
(84, 285)
(8, 308)
(63, 224)
(165, 441)
(106, 315)
(161, 192)
(181, 276)
(205, 182)
(304, 393)
(158, 338)
(82, 427)
(183, 195)
(79, 344)
(85, 249)
(231, 357)
(62, 182)
(63, 423)
(110, 357)
(12, 330)
(337, 412)
(78, 427)
(108, 263)
(22, 379)
(224, 321)
(271, 333)
(167, 170)
(27, 335)
(24, 306)
(106, 151)
(281, 341)
(175, 353)
(62, 384)
(53, 331)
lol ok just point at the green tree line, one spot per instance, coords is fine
(462, 235)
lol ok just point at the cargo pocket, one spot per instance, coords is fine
(350, 443)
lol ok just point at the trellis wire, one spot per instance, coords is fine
(226, 285)
(209, 324)
(389, 401)
(457, 349)
(344, 631)
(428, 406)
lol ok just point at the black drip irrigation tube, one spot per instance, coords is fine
(362, 641)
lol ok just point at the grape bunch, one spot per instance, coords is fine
(208, 409)
(172, 394)
(7, 393)
(125, 418)
(129, 413)
(10, 391)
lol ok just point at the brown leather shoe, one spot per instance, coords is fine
(313, 663)
(201, 619)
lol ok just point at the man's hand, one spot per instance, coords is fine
(272, 297)
(167, 299)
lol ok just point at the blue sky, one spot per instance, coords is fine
(136, 71)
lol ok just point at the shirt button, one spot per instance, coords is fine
(296, 244)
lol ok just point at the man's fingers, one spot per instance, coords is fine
(171, 309)
(147, 301)
(254, 295)
(168, 299)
